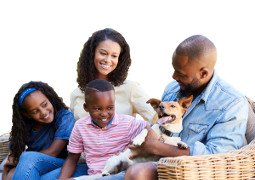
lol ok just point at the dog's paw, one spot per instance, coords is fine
(138, 142)
(140, 138)
(182, 145)
(105, 174)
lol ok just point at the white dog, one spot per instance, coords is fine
(167, 129)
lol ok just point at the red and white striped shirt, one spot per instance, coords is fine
(99, 144)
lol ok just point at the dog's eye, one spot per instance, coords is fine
(172, 106)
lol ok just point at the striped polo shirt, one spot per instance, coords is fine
(99, 144)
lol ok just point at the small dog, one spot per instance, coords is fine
(167, 129)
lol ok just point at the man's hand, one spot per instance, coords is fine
(147, 147)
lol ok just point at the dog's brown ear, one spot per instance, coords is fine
(154, 103)
(185, 103)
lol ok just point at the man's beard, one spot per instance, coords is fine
(191, 88)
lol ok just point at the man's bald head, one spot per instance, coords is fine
(198, 48)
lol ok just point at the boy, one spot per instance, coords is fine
(103, 133)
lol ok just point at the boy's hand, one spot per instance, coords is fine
(147, 147)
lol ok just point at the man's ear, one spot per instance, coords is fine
(204, 72)
(85, 107)
(185, 103)
(154, 103)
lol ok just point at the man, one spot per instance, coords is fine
(216, 120)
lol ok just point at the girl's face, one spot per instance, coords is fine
(106, 57)
(38, 107)
(100, 106)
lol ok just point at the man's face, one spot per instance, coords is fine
(186, 73)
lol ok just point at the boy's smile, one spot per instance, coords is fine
(100, 106)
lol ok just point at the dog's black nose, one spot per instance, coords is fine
(161, 107)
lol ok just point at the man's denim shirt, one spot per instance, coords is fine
(216, 120)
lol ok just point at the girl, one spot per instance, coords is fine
(42, 123)
(106, 55)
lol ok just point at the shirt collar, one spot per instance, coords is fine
(205, 94)
(207, 91)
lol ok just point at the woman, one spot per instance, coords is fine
(106, 55)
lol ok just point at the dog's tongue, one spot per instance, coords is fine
(163, 120)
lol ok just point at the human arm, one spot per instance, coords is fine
(152, 146)
(64, 124)
(55, 148)
(75, 148)
(69, 166)
(77, 99)
(216, 120)
(227, 133)
(138, 98)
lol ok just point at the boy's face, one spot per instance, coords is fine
(100, 106)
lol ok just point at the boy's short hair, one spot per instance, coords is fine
(98, 85)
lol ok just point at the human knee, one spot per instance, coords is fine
(27, 156)
(133, 171)
(142, 171)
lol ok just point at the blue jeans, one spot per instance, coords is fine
(35, 165)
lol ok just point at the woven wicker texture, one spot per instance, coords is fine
(238, 164)
(4, 140)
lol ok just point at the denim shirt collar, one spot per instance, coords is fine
(205, 94)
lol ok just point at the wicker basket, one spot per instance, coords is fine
(238, 164)
(4, 140)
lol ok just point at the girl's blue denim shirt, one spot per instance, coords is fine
(216, 120)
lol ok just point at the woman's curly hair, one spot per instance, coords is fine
(21, 125)
(86, 67)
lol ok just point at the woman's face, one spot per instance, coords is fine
(106, 57)
(38, 107)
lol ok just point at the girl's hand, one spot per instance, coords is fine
(8, 166)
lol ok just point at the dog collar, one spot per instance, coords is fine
(169, 133)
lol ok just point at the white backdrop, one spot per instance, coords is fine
(42, 40)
